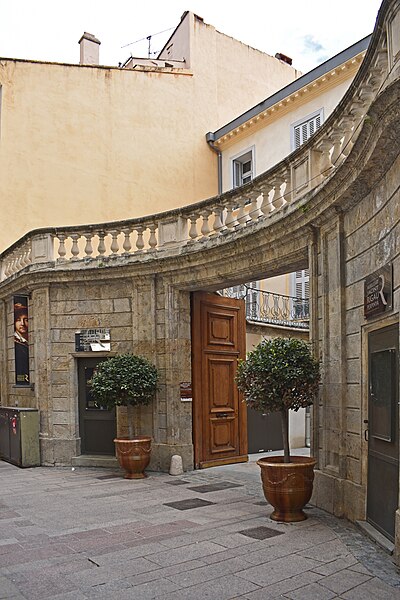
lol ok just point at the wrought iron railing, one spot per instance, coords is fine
(271, 308)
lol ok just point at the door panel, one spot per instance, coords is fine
(383, 443)
(219, 419)
(97, 425)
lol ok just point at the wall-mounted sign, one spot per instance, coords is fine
(186, 391)
(378, 292)
(93, 340)
(21, 340)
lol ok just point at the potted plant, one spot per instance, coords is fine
(127, 380)
(279, 375)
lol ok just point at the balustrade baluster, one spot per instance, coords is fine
(153, 237)
(205, 228)
(88, 247)
(218, 221)
(347, 124)
(230, 220)
(193, 227)
(241, 216)
(62, 251)
(127, 245)
(101, 247)
(266, 206)
(325, 146)
(336, 137)
(139, 240)
(254, 211)
(114, 242)
(75, 248)
(277, 199)
(287, 194)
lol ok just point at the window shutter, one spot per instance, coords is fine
(305, 130)
(302, 279)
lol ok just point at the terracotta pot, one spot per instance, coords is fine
(287, 486)
(133, 455)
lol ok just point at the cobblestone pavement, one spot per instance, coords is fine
(205, 535)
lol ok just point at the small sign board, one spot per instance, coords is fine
(186, 391)
(93, 340)
(378, 292)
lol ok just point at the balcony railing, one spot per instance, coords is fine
(270, 308)
(282, 190)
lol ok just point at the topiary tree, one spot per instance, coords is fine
(278, 375)
(125, 380)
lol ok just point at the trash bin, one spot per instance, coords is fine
(19, 436)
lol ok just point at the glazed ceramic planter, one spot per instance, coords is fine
(287, 486)
(133, 455)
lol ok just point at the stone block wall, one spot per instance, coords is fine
(364, 240)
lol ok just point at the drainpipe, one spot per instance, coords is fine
(210, 138)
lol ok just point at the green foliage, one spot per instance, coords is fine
(124, 380)
(279, 374)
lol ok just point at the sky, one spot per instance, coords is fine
(309, 31)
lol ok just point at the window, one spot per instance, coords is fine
(243, 167)
(302, 293)
(304, 129)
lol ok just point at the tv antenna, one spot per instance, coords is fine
(148, 38)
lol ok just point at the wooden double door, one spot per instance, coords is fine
(219, 415)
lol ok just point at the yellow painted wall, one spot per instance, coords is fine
(82, 144)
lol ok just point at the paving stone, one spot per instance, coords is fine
(260, 533)
(205, 573)
(344, 580)
(189, 503)
(214, 487)
(223, 588)
(280, 589)
(182, 554)
(314, 591)
(338, 565)
(373, 589)
(277, 570)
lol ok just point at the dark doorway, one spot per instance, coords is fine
(97, 425)
(264, 431)
(219, 415)
(383, 438)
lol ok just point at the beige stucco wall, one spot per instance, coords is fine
(83, 144)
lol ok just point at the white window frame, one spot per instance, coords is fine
(241, 157)
(318, 113)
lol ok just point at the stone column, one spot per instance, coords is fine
(332, 409)
(3, 355)
(144, 344)
(40, 314)
(314, 330)
(173, 421)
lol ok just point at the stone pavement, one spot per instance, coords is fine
(206, 535)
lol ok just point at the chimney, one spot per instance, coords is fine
(283, 58)
(89, 49)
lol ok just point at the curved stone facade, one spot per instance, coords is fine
(332, 205)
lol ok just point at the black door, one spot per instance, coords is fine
(97, 425)
(264, 431)
(383, 439)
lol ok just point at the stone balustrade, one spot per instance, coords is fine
(271, 194)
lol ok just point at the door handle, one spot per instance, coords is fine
(366, 430)
(222, 415)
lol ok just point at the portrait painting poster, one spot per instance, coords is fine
(21, 340)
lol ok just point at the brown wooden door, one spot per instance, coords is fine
(219, 415)
(383, 429)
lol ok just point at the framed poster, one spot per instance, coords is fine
(21, 340)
